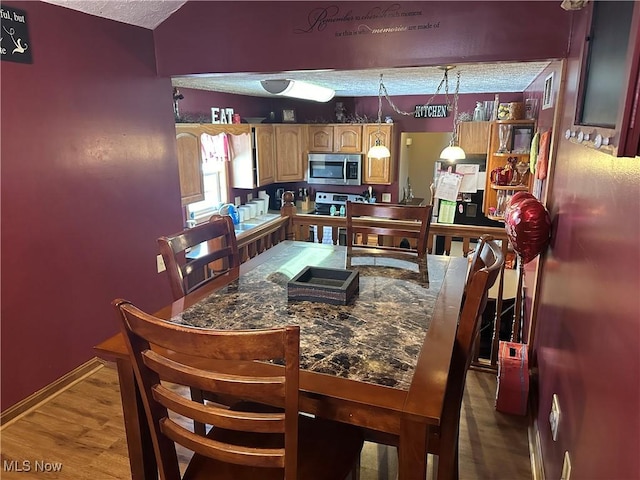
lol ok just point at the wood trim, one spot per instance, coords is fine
(50, 391)
(533, 432)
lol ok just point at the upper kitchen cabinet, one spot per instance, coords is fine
(265, 154)
(473, 137)
(342, 138)
(291, 142)
(189, 163)
(377, 170)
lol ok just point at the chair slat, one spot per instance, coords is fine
(225, 452)
(221, 417)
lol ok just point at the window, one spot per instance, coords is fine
(214, 175)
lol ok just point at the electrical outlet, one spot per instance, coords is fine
(386, 197)
(237, 201)
(566, 467)
(249, 197)
(554, 417)
(160, 264)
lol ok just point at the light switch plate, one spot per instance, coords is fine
(160, 264)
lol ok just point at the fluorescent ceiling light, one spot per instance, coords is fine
(298, 89)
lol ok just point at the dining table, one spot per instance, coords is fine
(380, 361)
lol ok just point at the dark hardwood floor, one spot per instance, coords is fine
(81, 433)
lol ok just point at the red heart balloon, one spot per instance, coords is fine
(528, 227)
(515, 199)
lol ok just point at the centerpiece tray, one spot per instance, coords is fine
(327, 285)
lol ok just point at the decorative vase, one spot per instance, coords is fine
(504, 135)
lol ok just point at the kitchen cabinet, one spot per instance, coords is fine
(377, 170)
(265, 144)
(473, 137)
(342, 138)
(497, 196)
(291, 143)
(189, 163)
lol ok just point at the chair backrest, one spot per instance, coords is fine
(480, 281)
(372, 219)
(482, 257)
(216, 349)
(217, 255)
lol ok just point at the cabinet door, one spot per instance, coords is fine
(189, 166)
(377, 170)
(347, 138)
(320, 138)
(473, 137)
(265, 154)
(290, 145)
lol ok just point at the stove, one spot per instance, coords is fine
(326, 200)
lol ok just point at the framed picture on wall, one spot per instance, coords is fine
(289, 116)
(521, 138)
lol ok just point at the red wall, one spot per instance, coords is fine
(89, 181)
(586, 343)
(273, 36)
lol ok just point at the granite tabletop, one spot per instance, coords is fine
(375, 338)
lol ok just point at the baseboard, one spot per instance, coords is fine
(52, 390)
(535, 447)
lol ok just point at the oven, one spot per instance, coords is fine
(328, 203)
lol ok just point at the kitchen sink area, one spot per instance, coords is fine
(243, 227)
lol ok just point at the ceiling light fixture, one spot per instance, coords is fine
(379, 150)
(450, 153)
(298, 89)
(453, 152)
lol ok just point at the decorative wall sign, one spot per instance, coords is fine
(221, 115)
(14, 35)
(431, 111)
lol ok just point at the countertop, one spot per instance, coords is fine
(376, 338)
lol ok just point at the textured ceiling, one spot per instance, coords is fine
(474, 78)
(142, 13)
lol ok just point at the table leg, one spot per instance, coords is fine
(412, 450)
(141, 456)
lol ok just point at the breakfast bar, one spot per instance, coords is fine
(379, 362)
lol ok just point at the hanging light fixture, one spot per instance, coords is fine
(450, 153)
(453, 152)
(379, 150)
(298, 89)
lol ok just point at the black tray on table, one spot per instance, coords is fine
(327, 285)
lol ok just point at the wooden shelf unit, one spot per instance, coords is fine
(497, 159)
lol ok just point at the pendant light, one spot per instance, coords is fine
(379, 150)
(453, 152)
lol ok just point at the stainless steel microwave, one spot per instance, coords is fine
(334, 169)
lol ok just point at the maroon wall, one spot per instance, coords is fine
(273, 36)
(89, 181)
(586, 343)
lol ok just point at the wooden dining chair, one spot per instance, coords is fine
(217, 255)
(245, 442)
(443, 440)
(367, 220)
